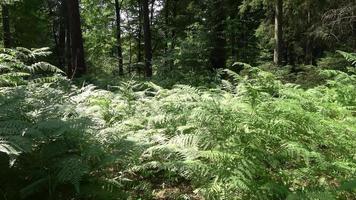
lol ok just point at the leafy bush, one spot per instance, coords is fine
(333, 61)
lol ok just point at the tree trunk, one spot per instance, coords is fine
(218, 53)
(62, 37)
(147, 38)
(58, 31)
(308, 46)
(6, 26)
(139, 37)
(233, 33)
(118, 37)
(278, 34)
(68, 44)
(166, 32)
(172, 26)
(130, 55)
(174, 15)
(354, 27)
(78, 66)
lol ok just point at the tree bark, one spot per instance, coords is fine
(308, 45)
(58, 30)
(6, 26)
(130, 55)
(62, 36)
(147, 38)
(68, 45)
(354, 26)
(166, 31)
(118, 37)
(278, 34)
(174, 15)
(218, 53)
(139, 36)
(78, 66)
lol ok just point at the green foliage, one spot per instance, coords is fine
(20, 66)
(191, 132)
(250, 137)
(333, 61)
(351, 57)
(30, 24)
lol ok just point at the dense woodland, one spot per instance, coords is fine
(178, 99)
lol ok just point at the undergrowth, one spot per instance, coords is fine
(250, 137)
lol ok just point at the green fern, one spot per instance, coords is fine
(351, 57)
(18, 67)
(253, 137)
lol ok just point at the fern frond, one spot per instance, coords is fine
(44, 67)
(351, 57)
(71, 170)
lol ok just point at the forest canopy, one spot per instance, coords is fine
(178, 99)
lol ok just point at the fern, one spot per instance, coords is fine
(253, 137)
(71, 170)
(18, 67)
(351, 57)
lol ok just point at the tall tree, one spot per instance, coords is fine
(218, 53)
(166, 33)
(6, 25)
(278, 34)
(147, 38)
(308, 46)
(55, 11)
(353, 31)
(139, 33)
(62, 34)
(118, 36)
(77, 67)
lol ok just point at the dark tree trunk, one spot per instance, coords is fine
(174, 15)
(147, 38)
(130, 55)
(166, 31)
(56, 42)
(78, 66)
(173, 5)
(308, 45)
(57, 31)
(118, 37)
(62, 39)
(218, 53)
(233, 33)
(6, 26)
(131, 37)
(68, 45)
(139, 37)
(354, 27)
(278, 34)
